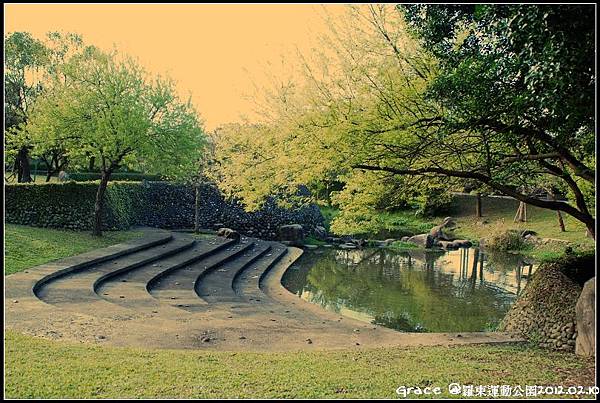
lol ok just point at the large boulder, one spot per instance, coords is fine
(228, 233)
(585, 316)
(292, 233)
(422, 240)
(320, 232)
(439, 231)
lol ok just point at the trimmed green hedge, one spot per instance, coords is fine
(117, 176)
(70, 204)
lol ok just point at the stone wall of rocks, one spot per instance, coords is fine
(156, 204)
(175, 209)
(545, 312)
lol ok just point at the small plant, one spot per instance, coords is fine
(503, 239)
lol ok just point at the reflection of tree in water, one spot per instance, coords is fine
(402, 290)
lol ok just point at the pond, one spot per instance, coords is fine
(462, 290)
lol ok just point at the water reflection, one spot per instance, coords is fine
(412, 291)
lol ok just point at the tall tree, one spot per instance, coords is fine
(104, 105)
(25, 57)
(386, 109)
(524, 76)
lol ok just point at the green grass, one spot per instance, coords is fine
(497, 212)
(37, 368)
(31, 246)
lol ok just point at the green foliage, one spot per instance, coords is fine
(26, 247)
(476, 95)
(68, 205)
(117, 176)
(501, 239)
(103, 105)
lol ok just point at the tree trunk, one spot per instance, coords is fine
(24, 170)
(91, 164)
(99, 205)
(561, 223)
(478, 206)
(49, 175)
(197, 210)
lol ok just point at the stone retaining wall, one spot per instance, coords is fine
(545, 312)
(155, 204)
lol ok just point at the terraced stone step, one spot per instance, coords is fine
(217, 285)
(29, 282)
(177, 287)
(248, 284)
(76, 288)
(129, 288)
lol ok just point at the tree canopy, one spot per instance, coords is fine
(421, 98)
(105, 105)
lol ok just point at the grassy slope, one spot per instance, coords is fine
(30, 246)
(41, 368)
(497, 213)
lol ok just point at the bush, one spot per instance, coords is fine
(502, 239)
(117, 176)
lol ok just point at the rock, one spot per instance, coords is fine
(404, 238)
(228, 233)
(585, 316)
(320, 232)
(308, 341)
(438, 232)
(63, 176)
(205, 339)
(311, 246)
(293, 233)
(358, 242)
(422, 240)
(347, 246)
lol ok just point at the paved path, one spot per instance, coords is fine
(171, 290)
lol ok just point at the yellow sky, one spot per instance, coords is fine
(217, 52)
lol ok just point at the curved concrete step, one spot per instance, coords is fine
(76, 289)
(34, 279)
(129, 288)
(217, 285)
(248, 284)
(177, 288)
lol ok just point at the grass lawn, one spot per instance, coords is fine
(30, 246)
(498, 213)
(37, 368)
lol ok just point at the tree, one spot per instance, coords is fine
(386, 108)
(524, 76)
(25, 57)
(104, 105)
(29, 65)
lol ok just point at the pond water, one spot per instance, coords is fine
(412, 291)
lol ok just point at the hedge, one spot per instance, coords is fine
(117, 176)
(157, 204)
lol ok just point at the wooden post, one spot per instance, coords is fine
(197, 209)
(519, 213)
(561, 223)
(478, 206)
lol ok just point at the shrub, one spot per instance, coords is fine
(117, 176)
(502, 239)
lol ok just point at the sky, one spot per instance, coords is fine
(219, 53)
